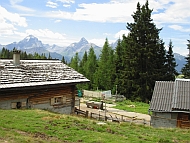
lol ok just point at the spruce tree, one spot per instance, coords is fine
(82, 64)
(146, 56)
(49, 57)
(90, 68)
(186, 69)
(170, 64)
(120, 66)
(75, 62)
(105, 69)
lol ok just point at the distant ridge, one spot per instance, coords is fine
(32, 44)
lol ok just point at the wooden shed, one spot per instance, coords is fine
(170, 104)
(40, 84)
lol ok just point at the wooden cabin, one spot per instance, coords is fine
(40, 84)
(170, 104)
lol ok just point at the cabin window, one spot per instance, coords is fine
(18, 105)
(58, 100)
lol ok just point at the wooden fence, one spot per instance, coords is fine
(111, 117)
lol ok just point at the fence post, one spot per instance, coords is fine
(121, 118)
(86, 114)
(106, 118)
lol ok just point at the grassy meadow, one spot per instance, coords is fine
(130, 106)
(38, 126)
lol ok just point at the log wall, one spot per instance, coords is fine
(40, 97)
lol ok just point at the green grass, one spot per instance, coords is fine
(24, 126)
(138, 107)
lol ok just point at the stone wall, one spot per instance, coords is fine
(164, 119)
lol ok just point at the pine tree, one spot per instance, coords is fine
(82, 64)
(75, 62)
(170, 64)
(90, 68)
(186, 69)
(119, 67)
(105, 69)
(146, 56)
(63, 60)
(49, 57)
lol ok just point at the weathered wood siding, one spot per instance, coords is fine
(40, 97)
(183, 120)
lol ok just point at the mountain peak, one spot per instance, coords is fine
(29, 37)
(83, 41)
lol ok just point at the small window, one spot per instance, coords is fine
(18, 105)
(58, 100)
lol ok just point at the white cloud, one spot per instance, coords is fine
(119, 11)
(9, 21)
(66, 5)
(57, 21)
(107, 12)
(100, 42)
(49, 37)
(120, 33)
(14, 4)
(177, 11)
(179, 28)
(66, 1)
(106, 34)
(45, 35)
(51, 4)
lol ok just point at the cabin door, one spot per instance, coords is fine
(183, 120)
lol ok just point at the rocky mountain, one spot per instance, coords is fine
(180, 60)
(80, 47)
(31, 44)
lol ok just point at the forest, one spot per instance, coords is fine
(130, 69)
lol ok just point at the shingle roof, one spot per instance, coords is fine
(171, 96)
(37, 72)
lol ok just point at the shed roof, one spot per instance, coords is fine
(37, 72)
(171, 96)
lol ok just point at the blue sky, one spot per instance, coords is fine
(63, 22)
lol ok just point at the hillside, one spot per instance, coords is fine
(41, 126)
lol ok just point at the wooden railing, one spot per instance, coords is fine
(113, 117)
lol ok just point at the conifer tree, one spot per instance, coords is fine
(119, 66)
(82, 64)
(49, 57)
(105, 69)
(170, 64)
(146, 55)
(75, 62)
(63, 60)
(186, 69)
(90, 68)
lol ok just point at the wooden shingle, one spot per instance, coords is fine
(37, 72)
